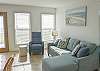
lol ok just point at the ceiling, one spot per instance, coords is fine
(43, 3)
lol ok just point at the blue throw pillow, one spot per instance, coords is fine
(83, 52)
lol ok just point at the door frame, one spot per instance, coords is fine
(5, 25)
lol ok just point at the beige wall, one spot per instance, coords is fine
(35, 19)
(90, 32)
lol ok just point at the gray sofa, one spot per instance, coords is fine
(63, 60)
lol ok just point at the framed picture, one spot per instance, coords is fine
(76, 16)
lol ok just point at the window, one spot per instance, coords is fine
(48, 25)
(22, 28)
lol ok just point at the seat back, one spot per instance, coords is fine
(92, 46)
(72, 43)
(36, 37)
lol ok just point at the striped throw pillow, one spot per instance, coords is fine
(62, 44)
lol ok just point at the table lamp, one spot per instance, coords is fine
(54, 34)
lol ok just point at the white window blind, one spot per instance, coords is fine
(48, 22)
(22, 27)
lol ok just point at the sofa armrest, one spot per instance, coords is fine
(48, 46)
(51, 44)
(59, 63)
(88, 63)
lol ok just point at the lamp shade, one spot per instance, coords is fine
(54, 33)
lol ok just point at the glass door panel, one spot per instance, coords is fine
(2, 41)
(3, 32)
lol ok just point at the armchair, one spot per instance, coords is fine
(36, 45)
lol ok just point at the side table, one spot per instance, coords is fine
(22, 50)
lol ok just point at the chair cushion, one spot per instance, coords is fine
(72, 43)
(76, 49)
(36, 46)
(83, 52)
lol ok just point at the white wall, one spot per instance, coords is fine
(90, 32)
(35, 18)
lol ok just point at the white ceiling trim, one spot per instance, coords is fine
(42, 3)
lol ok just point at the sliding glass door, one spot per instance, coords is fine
(3, 32)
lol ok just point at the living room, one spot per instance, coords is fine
(90, 32)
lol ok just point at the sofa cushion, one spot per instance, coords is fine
(54, 48)
(52, 51)
(72, 43)
(62, 52)
(83, 52)
(76, 49)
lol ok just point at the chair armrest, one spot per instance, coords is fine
(30, 43)
(42, 48)
(43, 44)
